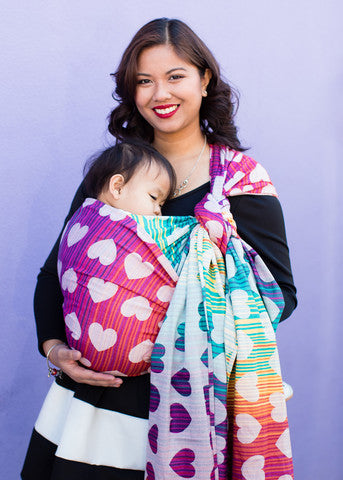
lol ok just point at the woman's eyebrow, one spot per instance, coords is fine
(176, 68)
(167, 73)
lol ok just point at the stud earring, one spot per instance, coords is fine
(204, 93)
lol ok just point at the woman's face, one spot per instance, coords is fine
(169, 91)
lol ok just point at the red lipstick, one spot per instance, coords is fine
(165, 111)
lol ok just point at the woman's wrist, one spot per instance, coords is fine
(48, 344)
(48, 347)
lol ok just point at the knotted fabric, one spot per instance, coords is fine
(217, 407)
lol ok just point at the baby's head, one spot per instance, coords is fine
(132, 176)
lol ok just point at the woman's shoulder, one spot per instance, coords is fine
(244, 175)
(232, 157)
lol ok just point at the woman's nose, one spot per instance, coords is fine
(161, 92)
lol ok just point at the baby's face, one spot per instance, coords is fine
(145, 192)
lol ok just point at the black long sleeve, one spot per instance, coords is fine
(259, 222)
(48, 298)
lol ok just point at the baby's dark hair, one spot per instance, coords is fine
(124, 158)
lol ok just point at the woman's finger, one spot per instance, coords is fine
(83, 375)
(67, 360)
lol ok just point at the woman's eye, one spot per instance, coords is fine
(143, 81)
(153, 197)
(176, 77)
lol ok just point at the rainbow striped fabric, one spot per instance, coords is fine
(216, 350)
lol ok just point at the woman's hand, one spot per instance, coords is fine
(67, 360)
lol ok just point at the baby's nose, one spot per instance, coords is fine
(157, 210)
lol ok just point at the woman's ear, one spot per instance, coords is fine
(115, 185)
(205, 80)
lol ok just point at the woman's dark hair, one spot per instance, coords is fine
(124, 159)
(218, 108)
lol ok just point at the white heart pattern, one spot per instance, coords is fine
(237, 157)
(59, 268)
(284, 444)
(138, 306)
(249, 428)
(259, 174)
(143, 235)
(100, 338)
(211, 205)
(135, 268)
(246, 386)
(239, 303)
(262, 270)
(245, 345)
(235, 191)
(269, 190)
(221, 445)
(177, 233)
(76, 233)
(141, 352)
(69, 280)
(88, 201)
(252, 469)
(163, 260)
(219, 362)
(73, 324)
(233, 180)
(99, 290)
(279, 413)
(165, 293)
(274, 362)
(239, 249)
(217, 333)
(105, 250)
(230, 267)
(115, 214)
(271, 308)
(268, 329)
(220, 411)
(215, 229)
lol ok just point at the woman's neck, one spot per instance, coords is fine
(179, 148)
(188, 155)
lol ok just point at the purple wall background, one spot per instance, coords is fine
(285, 59)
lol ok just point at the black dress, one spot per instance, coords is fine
(118, 452)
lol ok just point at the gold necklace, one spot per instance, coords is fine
(185, 181)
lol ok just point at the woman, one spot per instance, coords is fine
(170, 94)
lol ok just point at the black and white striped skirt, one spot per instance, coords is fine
(94, 433)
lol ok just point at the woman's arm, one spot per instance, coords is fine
(260, 223)
(50, 325)
(48, 297)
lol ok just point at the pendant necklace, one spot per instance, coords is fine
(185, 182)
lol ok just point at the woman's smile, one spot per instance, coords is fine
(165, 111)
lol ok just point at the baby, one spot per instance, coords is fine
(131, 176)
(116, 280)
